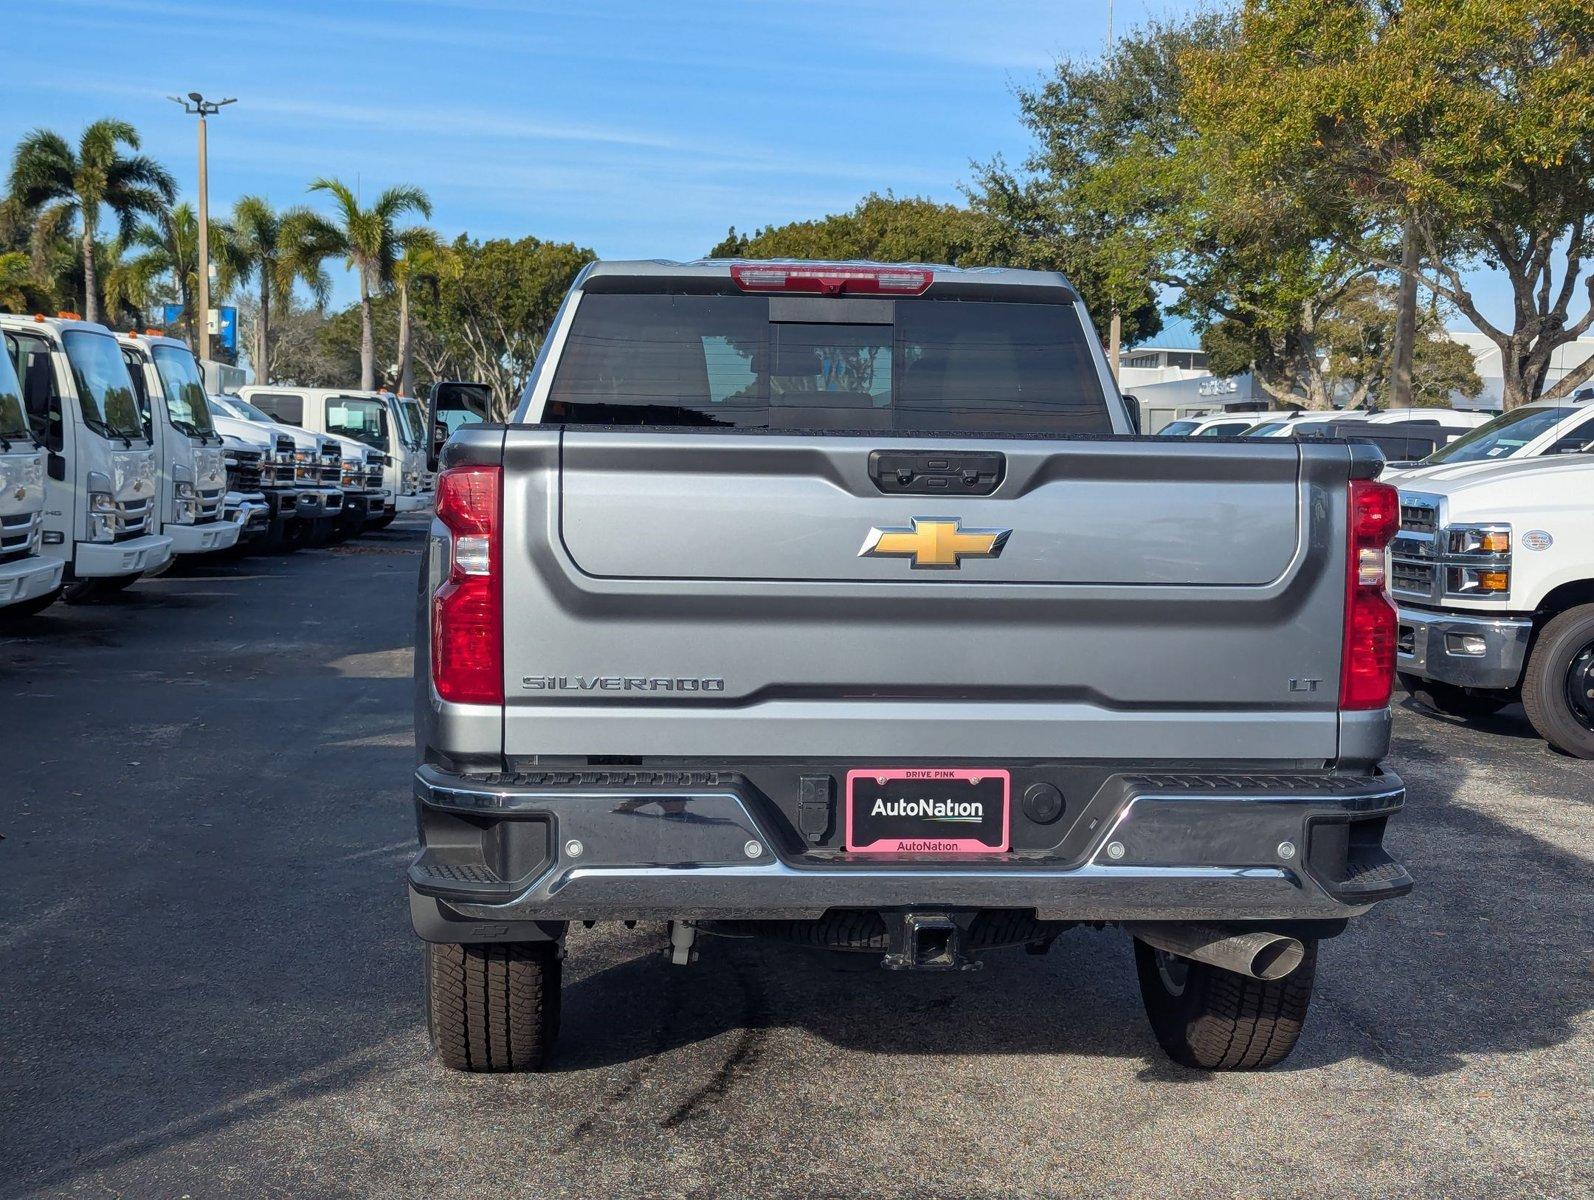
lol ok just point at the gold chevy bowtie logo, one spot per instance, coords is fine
(935, 542)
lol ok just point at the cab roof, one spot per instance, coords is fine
(720, 275)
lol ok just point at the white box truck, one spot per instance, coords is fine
(101, 478)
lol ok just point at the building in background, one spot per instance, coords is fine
(1168, 375)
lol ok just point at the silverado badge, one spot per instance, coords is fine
(939, 543)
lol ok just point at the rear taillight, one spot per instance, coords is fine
(817, 279)
(468, 608)
(1367, 664)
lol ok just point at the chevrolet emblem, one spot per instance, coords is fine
(938, 543)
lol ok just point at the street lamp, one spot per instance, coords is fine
(197, 105)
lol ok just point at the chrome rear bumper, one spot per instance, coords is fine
(497, 853)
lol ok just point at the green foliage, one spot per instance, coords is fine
(59, 187)
(15, 276)
(365, 238)
(880, 229)
(1357, 340)
(1473, 120)
(487, 317)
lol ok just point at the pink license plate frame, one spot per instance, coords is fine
(953, 846)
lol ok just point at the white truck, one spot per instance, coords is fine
(101, 478)
(28, 580)
(1530, 431)
(189, 455)
(304, 489)
(371, 418)
(1493, 570)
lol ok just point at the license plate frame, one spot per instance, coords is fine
(910, 783)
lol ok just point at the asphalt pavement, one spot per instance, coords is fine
(208, 985)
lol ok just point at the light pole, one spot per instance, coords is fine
(198, 106)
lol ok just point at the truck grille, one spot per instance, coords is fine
(134, 519)
(1412, 577)
(243, 473)
(331, 466)
(210, 504)
(16, 535)
(1417, 517)
(373, 474)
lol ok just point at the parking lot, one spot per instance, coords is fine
(198, 998)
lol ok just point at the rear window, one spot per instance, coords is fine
(753, 362)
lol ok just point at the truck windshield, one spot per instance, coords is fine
(13, 420)
(245, 411)
(756, 362)
(104, 389)
(1501, 437)
(185, 391)
(357, 417)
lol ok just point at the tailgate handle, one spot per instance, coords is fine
(936, 472)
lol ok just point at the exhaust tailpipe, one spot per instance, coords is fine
(1252, 952)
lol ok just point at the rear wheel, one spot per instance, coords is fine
(1216, 1020)
(1451, 700)
(94, 591)
(1558, 688)
(493, 1007)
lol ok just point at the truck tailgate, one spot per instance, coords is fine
(704, 594)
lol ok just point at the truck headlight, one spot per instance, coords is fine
(103, 517)
(1480, 539)
(1490, 581)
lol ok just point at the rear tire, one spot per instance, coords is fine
(1216, 1020)
(1451, 700)
(1558, 687)
(493, 1007)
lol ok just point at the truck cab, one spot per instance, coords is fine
(370, 418)
(1493, 570)
(29, 582)
(102, 480)
(189, 453)
(418, 481)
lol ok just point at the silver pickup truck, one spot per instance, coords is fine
(840, 603)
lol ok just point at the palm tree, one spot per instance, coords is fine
(366, 240)
(423, 259)
(58, 186)
(170, 252)
(261, 245)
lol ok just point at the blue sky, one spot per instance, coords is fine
(639, 129)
